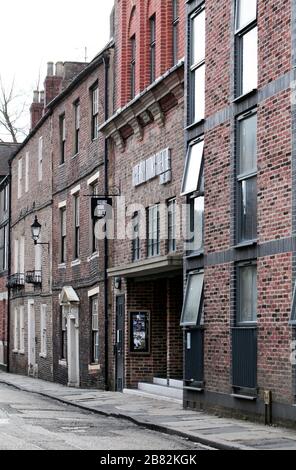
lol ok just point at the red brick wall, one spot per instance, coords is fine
(133, 18)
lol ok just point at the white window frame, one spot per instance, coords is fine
(197, 321)
(43, 330)
(194, 167)
(40, 158)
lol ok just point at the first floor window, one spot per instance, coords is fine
(136, 237)
(172, 229)
(63, 219)
(22, 329)
(95, 329)
(197, 223)
(153, 231)
(16, 330)
(43, 328)
(247, 294)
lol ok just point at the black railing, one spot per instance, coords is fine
(34, 277)
(16, 280)
(244, 358)
(194, 358)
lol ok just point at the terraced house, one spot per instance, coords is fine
(239, 310)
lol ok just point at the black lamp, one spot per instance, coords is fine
(36, 230)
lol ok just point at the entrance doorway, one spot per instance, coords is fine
(119, 345)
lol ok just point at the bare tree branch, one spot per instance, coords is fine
(11, 110)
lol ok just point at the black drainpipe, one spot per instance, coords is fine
(9, 274)
(106, 244)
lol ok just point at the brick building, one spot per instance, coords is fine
(6, 151)
(241, 144)
(146, 142)
(55, 288)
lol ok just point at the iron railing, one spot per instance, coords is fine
(34, 277)
(16, 280)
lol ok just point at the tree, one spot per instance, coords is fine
(12, 107)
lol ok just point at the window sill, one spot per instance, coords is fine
(245, 96)
(76, 262)
(62, 266)
(15, 351)
(43, 356)
(246, 244)
(63, 363)
(243, 397)
(93, 256)
(195, 254)
(75, 156)
(195, 124)
(61, 165)
(21, 353)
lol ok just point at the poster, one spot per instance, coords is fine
(140, 332)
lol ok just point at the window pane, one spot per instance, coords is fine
(193, 168)
(248, 144)
(198, 223)
(246, 12)
(248, 209)
(198, 38)
(198, 111)
(248, 294)
(293, 313)
(193, 300)
(250, 61)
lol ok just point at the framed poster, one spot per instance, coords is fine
(139, 332)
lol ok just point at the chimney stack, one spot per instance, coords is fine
(52, 83)
(37, 107)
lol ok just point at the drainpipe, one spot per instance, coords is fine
(9, 273)
(106, 244)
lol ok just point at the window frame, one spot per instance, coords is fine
(95, 189)
(238, 322)
(152, 47)
(64, 336)
(20, 178)
(76, 204)
(63, 232)
(63, 138)
(244, 176)
(136, 244)
(95, 331)
(94, 111)
(198, 322)
(194, 67)
(184, 192)
(240, 33)
(172, 225)
(175, 26)
(153, 228)
(133, 45)
(40, 158)
(43, 331)
(77, 116)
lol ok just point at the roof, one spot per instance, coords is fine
(98, 59)
(7, 149)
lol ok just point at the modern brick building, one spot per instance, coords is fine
(239, 313)
(6, 151)
(146, 142)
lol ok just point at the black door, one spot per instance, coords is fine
(119, 345)
(194, 358)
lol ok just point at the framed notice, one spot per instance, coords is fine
(139, 332)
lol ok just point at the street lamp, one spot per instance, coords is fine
(36, 230)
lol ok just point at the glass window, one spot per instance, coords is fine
(193, 167)
(246, 12)
(249, 61)
(77, 226)
(152, 48)
(40, 158)
(175, 30)
(197, 66)
(95, 113)
(77, 127)
(192, 308)
(95, 329)
(63, 137)
(247, 295)
(95, 241)
(133, 66)
(293, 313)
(136, 237)
(172, 245)
(248, 144)
(64, 341)
(63, 217)
(153, 231)
(197, 224)
(248, 209)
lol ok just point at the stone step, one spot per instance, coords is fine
(161, 390)
(158, 381)
(176, 383)
(141, 393)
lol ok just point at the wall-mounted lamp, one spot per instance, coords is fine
(36, 231)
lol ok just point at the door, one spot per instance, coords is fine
(31, 339)
(194, 358)
(119, 345)
(73, 352)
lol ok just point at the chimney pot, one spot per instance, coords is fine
(50, 69)
(59, 69)
(36, 96)
(41, 97)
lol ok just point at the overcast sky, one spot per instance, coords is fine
(34, 32)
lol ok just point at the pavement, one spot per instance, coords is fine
(164, 416)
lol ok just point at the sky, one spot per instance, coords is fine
(34, 32)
